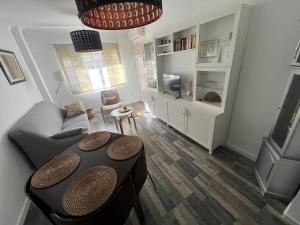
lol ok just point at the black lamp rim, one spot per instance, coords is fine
(93, 5)
(83, 31)
(132, 27)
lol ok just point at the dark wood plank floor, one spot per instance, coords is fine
(192, 186)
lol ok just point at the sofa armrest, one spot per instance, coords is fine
(40, 148)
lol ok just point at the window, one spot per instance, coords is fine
(92, 70)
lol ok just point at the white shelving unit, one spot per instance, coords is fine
(219, 51)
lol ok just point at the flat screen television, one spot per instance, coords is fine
(172, 85)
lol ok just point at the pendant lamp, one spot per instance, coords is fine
(118, 14)
(86, 40)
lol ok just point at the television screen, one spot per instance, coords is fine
(172, 84)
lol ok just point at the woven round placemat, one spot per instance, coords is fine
(94, 141)
(89, 191)
(55, 171)
(124, 148)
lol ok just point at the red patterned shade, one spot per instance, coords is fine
(117, 14)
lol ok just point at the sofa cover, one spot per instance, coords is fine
(33, 132)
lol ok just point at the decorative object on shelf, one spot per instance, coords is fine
(226, 54)
(189, 88)
(212, 97)
(210, 49)
(10, 67)
(296, 58)
(86, 40)
(118, 14)
(193, 41)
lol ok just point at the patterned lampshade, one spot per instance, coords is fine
(118, 14)
(86, 40)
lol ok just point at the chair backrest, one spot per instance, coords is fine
(110, 97)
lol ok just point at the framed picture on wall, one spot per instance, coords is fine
(10, 67)
(296, 58)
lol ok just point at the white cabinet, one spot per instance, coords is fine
(177, 115)
(199, 126)
(205, 126)
(161, 108)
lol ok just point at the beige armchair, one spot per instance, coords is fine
(110, 101)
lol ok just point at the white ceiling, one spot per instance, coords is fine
(64, 13)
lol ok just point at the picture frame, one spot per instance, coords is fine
(11, 68)
(296, 58)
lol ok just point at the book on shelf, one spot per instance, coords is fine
(193, 41)
(185, 43)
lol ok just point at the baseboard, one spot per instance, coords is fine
(23, 213)
(241, 151)
(290, 220)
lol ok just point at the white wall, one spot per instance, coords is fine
(40, 42)
(273, 34)
(15, 101)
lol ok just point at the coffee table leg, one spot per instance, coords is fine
(121, 126)
(116, 123)
(134, 121)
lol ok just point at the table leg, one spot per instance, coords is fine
(116, 123)
(129, 120)
(137, 206)
(121, 126)
(152, 181)
(134, 121)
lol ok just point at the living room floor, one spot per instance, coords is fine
(193, 187)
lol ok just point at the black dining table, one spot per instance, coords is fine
(131, 176)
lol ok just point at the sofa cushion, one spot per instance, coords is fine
(69, 132)
(75, 122)
(44, 119)
(74, 109)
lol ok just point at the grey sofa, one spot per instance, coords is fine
(33, 133)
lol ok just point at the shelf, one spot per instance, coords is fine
(177, 52)
(208, 65)
(165, 45)
(167, 53)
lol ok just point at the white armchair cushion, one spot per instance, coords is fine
(114, 106)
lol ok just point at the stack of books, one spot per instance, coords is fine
(185, 43)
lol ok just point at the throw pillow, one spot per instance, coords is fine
(74, 109)
(69, 133)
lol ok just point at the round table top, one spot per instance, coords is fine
(117, 113)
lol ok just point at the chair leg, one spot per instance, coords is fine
(121, 126)
(151, 179)
(102, 112)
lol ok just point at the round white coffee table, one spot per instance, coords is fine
(119, 116)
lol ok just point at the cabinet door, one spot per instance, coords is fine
(199, 126)
(176, 115)
(161, 108)
(150, 102)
